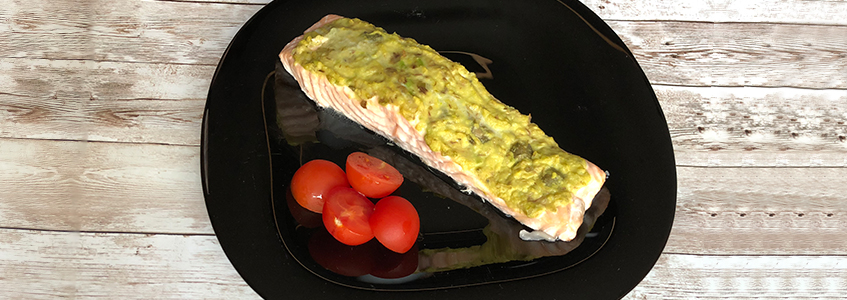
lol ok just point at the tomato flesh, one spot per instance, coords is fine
(395, 223)
(313, 180)
(371, 176)
(345, 215)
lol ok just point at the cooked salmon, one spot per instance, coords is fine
(437, 110)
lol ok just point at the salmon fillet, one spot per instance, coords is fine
(387, 120)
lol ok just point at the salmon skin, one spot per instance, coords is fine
(552, 213)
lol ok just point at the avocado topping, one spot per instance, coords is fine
(451, 108)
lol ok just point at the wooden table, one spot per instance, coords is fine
(101, 102)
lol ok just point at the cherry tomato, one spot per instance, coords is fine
(340, 258)
(390, 265)
(371, 176)
(303, 216)
(345, 216)
(395, 223)
(313, 180)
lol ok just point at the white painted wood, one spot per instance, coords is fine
(122, 30)
(759, 11)
(744, 277)
(738, 54)
(102, 101)
(746, 159)
(780, 211)
(111, 187)
(755, 119)
(50, 265)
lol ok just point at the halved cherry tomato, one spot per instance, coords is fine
(313, 180)
(339, 258)
(371, 176)
(395, 223)
(345, 216)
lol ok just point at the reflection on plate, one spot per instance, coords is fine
(553, 59)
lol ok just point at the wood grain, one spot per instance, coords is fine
(49, 265)
(102, 101)
(123, 30)
(779, 211)
(760, 158)
(758, 11)
(755, 119)
(104, 187)
(739, 54)
(744, 277)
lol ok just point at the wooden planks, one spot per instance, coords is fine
(739, 54)
(127, 31)
(102, 101)
(48, 265)
(744, 211)
(751, 119)
(744, 277)
(755, 11)
(104, 187)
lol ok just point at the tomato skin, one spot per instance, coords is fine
(345, 215)
(313, 180)
(371, 176)
(395, 223)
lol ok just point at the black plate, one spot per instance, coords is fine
(555, 60)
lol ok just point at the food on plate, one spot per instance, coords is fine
(395, 223)
(346, 214)
(437, 110)
(313, 180)
(370, 176)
